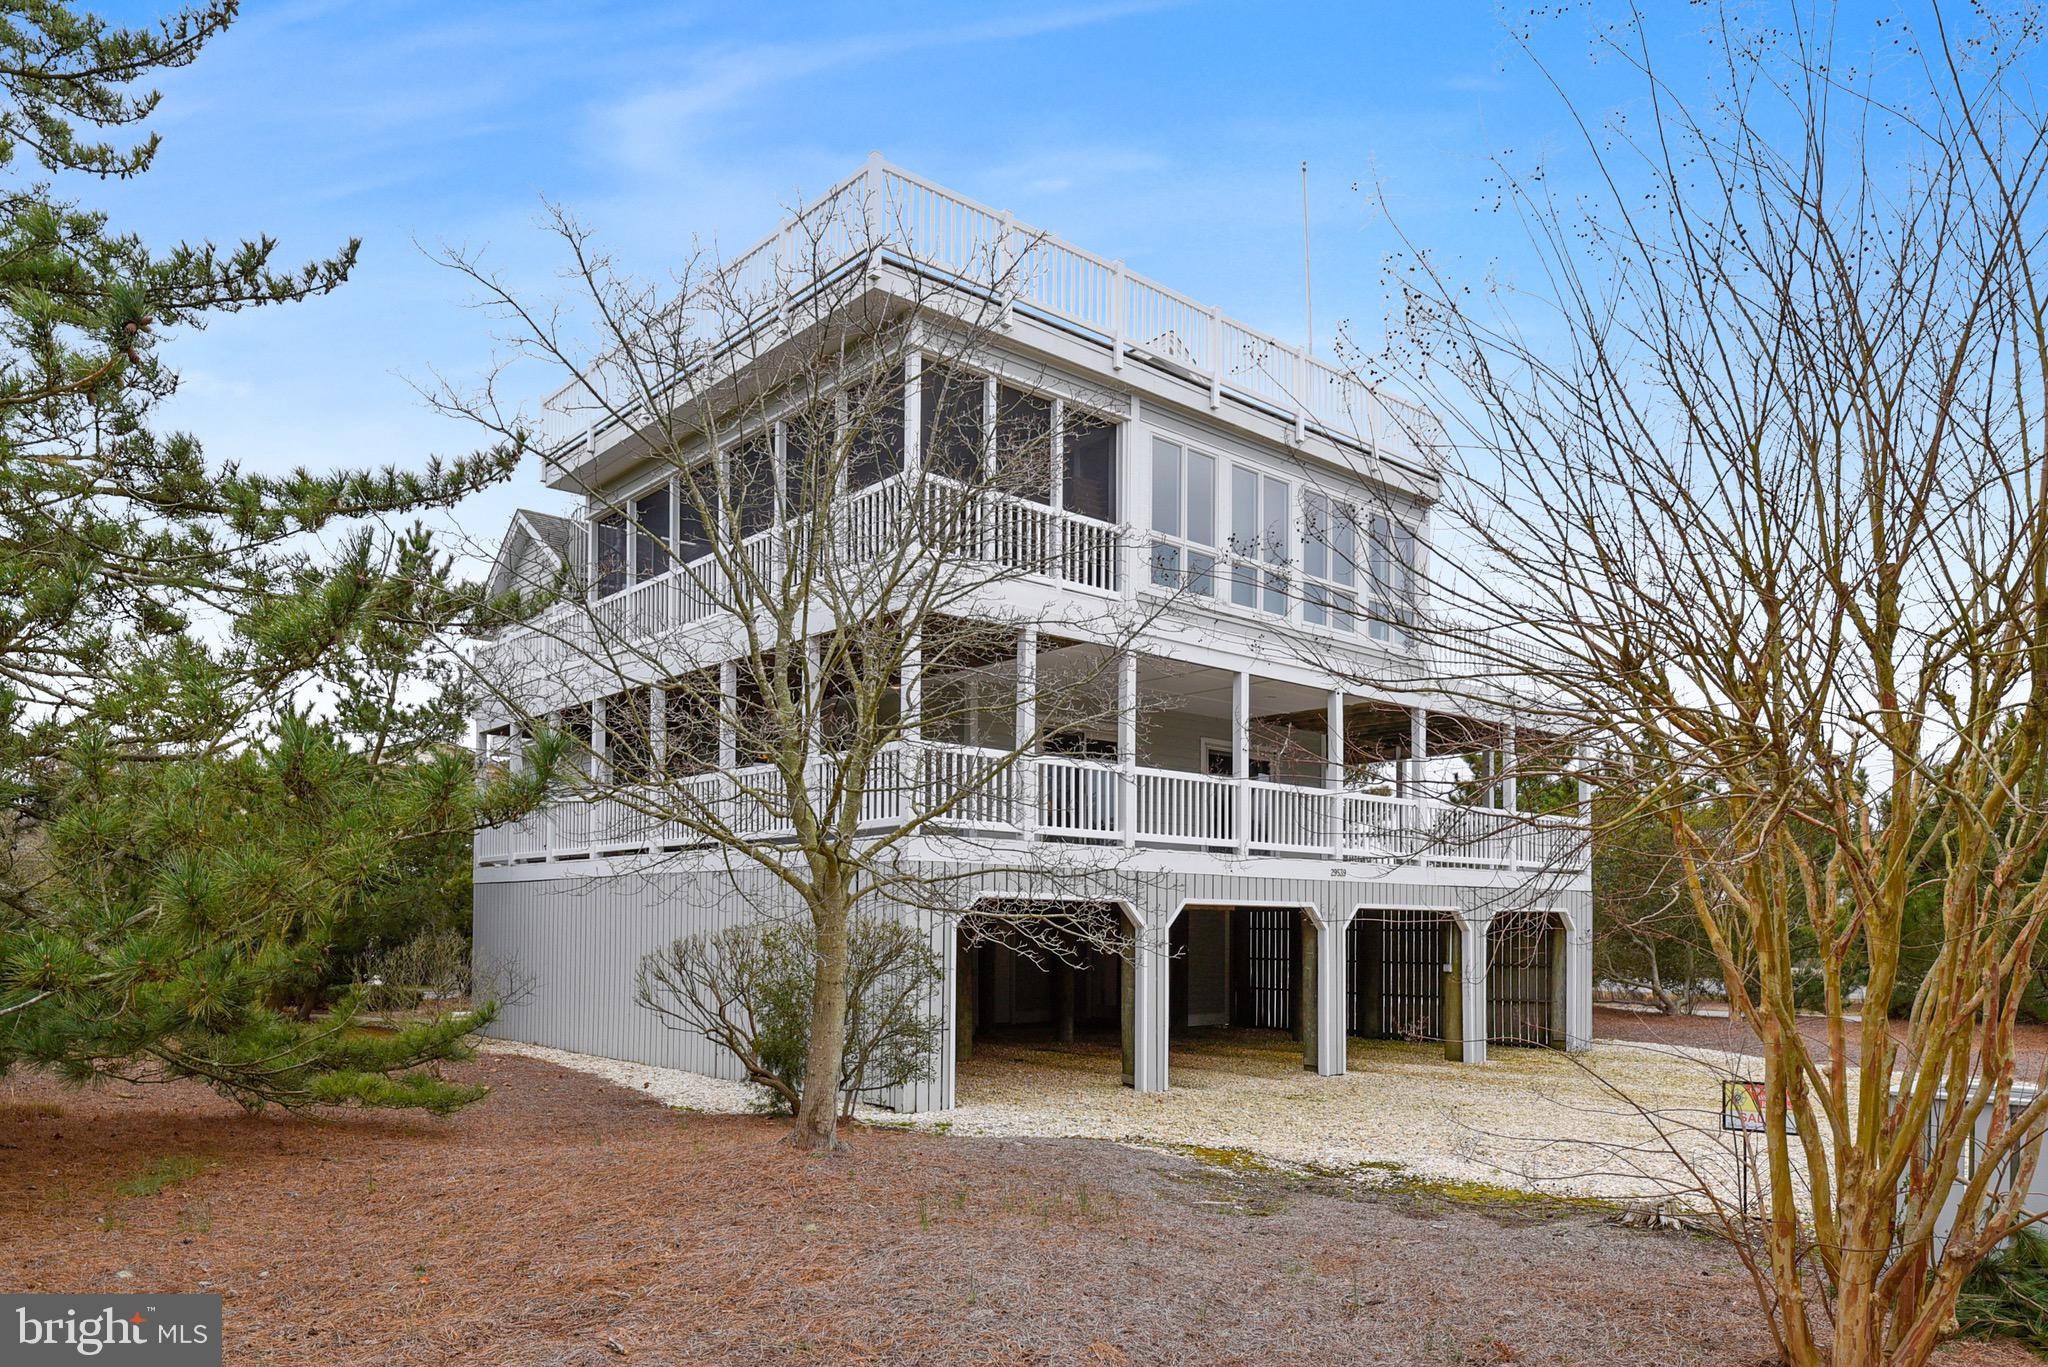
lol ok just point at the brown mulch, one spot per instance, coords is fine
(1734, 1036)
(564, 1221)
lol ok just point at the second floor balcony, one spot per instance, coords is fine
(993, 800)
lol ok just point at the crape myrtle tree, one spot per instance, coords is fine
(1753, 456)
(185, 845)
(829, 668)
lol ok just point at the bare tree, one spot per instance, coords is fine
(1754, 476)
(820, 651)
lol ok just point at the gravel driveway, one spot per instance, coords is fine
(1627, 1120)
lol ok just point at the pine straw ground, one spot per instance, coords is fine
(563, 1220)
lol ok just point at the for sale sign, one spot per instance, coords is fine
(1742, 1108)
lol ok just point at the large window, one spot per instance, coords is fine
(1329, 562)
(950, 422)
(652, 538)
(1258, 538)
(610, 534)
(1024, 444)
(1088, 465)
(874, 418)
(750, 479)
(1358, 569)
(1183, 518)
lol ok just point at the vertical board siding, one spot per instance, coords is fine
(574, 942)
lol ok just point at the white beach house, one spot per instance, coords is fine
(1309, 822)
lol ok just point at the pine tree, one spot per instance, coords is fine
(188, 853)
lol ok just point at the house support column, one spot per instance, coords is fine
(1327, 971)
(1127, 746)
(1026, 735)
(1145, 1006)
(910, 689)
(1578, 1019)
(1418, 751)
(967, 987)
(1241, 758)
(728, 710)
(1464, 1005)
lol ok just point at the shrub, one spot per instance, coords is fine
(2008, 1293)
(748, 990)
(432, 964)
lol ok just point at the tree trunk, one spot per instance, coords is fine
(817, 1115)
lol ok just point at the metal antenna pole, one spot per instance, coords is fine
(1308, 289)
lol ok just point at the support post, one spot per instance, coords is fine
(1026, 736)
(1510, 793)
(1241, 759)
(1464, 1004)
(1332, 1002)
(600, 735)
(657, 732)
(1308, 992)
(1418, 750)
(1127, 746)
(913, 407)
(910, 689)
(728, 707)
(1372, 972)
(1145, 1010)
(1063, 996)
(968, 986)
(1333, 739)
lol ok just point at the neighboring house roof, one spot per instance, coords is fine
(557, 539)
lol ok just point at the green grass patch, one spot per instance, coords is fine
(161, 1175)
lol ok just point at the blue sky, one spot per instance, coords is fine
(1170, 135)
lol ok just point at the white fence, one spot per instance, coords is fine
(987, 793)
(885, 210)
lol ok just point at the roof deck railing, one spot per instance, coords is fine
(887, 211)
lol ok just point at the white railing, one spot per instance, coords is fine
(958, 789)
(929, 228)
(1006, 532)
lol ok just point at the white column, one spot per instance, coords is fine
(1026, 738)
(1332, 1003)
(1127, 745)
(1585, 787)
(1472, 988)
(1510, 796)
(913, 407)
(728, 703)
(1134, 497)
(1149, 1010)
(1241, 757)
(657, 732)
(1333, 739)
(1418, 750)
(910, 689)
(600, 772)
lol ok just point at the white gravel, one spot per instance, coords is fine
(1626, 1121)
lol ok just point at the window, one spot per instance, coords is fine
(1258, 535)
(1183, 518)
(652, 540)
(611, 554)
(1088, 465)
(750, 479)
(1024, 444)
(950, 423)
(1393, 568)
(1329, 562)
(692, 726)
(874, 422)
(693, 538)
(628, 741)
(807, 439)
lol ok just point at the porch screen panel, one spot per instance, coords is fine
(1403, 999)
(1269, 940)
(1518, 980)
